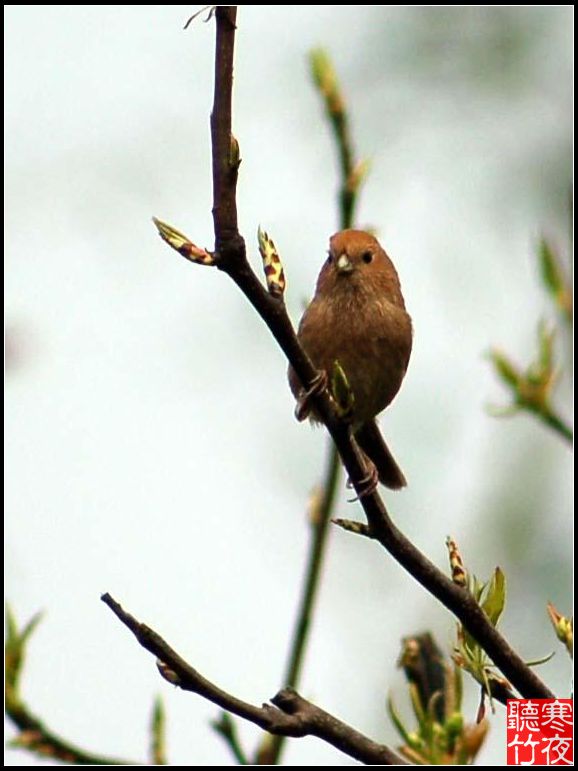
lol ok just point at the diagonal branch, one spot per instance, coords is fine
(289, 714)
(231, 258)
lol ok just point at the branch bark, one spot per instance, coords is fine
(289, 714)
(225, 158)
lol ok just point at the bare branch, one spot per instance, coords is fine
(225, 147)
(291, 715)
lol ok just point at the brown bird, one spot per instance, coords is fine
(358, 318)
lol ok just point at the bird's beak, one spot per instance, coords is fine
(344, 264)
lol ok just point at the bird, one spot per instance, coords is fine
(358, 319)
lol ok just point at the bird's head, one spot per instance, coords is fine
(357, 263)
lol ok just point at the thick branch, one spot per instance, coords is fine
(291, 714)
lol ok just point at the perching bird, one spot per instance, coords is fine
(358, 318)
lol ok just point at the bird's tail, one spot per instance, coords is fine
(370, 440)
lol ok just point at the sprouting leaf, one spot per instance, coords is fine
(563, 626)
(272, 265)
(504, 367)
(550, 267)
(493, 605)
(182, 244)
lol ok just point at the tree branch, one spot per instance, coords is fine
(232, 259)
(291, 715)
(225, 149)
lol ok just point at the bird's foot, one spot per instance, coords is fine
(367, 485)
(303, 407)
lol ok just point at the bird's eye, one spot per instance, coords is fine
(329, 257)
(367, 257)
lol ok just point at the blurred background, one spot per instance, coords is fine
(151, 448)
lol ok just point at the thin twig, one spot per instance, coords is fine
(227, 729)
(232, 259)
(289, 713)
(158, 743)
(334, 102)
(270, 752)
(320, 528)
(36, 738)
(554, 421)
(335, 107)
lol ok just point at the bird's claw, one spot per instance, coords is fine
(318, 384)
(367, 485)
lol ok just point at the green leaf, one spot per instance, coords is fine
(546, 336)
(495, 600)
(322, 69)
(550, 268)
(11, 627)
(419, 712)
(15, 651)
(31, 626)
(396, 720)
(504, 368)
